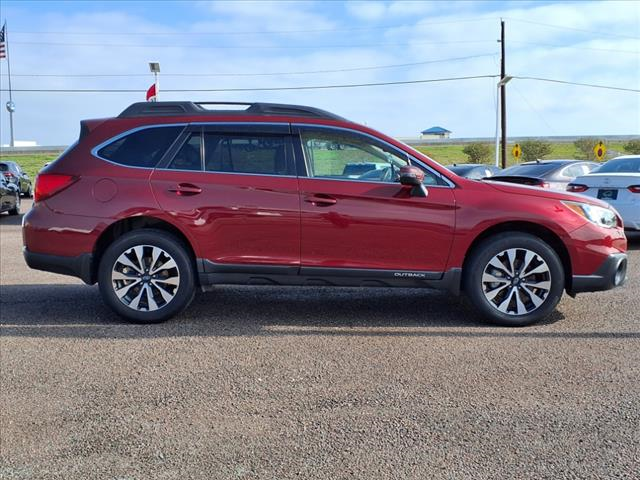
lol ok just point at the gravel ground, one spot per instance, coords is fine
(312, 383)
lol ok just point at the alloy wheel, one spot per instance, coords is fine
(516, 281)
(145, 278)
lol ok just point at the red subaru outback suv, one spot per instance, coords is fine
(173, 196)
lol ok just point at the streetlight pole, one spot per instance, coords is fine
(11, 107)
(503, 81)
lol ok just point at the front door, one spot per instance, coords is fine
(355, 214)
(235, 189)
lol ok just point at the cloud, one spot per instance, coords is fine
(460, 30)
(367, 11)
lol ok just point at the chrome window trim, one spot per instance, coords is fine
(97, 148)
(450, 184)
(366, 181)
(204, 124)
(226, 173)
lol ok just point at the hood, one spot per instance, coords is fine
(517, 189)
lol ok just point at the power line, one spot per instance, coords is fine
(311, 47)
(564, 27)
(320, 30)
(258, 89)
(574, 47)
(322, 87)
(255, 32)
(592, 85)
(533, 109)
(266, 74)
(251, 47)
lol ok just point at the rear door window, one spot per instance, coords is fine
(142, 148)
(246, 153)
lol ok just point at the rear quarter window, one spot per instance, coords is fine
(142, 148)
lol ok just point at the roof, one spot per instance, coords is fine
(436, 130)
(166, 109)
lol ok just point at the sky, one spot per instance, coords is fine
(264, 44)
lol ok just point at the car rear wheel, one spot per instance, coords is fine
(514, 279)
(147, 276)
(16, 209)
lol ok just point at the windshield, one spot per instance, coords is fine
(621, 165)
(533, 170)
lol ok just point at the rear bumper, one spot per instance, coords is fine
(80, 266)
(612, 273)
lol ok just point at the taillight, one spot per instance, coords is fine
(544, 185)
(634, 188)
(48, 184)
(577, 188)
(8, 174)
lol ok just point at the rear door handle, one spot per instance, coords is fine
(320, 200)
(186, 189)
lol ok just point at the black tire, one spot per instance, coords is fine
(16, 210)
(29, 193)
(514, 289)
(175, 249)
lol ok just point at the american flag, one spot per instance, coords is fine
(3, 49)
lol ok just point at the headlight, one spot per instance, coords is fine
(603, 217)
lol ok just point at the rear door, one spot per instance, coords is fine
(234, 188)
(368, 221)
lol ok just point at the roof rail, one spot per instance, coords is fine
(165, 109)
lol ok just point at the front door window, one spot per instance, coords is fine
(347, 156)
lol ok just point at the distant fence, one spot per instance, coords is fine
(6, 151)
(413, 141)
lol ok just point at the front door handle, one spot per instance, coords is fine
(320, 200)
(186, 189)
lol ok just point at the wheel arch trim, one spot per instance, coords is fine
(125, 225)
(541, 231)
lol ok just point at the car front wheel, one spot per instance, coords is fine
(147, 276)
(514, 279)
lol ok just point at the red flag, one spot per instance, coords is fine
(151, 93)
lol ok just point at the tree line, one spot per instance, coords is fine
(538, 149)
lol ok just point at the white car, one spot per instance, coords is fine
(617, 182)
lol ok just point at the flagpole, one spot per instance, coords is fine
(10, 105)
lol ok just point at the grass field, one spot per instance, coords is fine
(448, 154)
(444, 154)
(31, 164)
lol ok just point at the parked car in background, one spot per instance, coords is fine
(13, 173)
(474, 171)
(9, 197)
(617, 182)
(170, 197)
(552, 174)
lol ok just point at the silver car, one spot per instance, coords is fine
(617, 182)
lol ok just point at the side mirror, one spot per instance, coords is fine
(413, 177)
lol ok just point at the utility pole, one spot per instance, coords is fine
(503, 97)
(11, 107)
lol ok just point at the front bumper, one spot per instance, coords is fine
(80, 266)
(612, 273)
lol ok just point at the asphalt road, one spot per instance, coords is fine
(281, 383)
